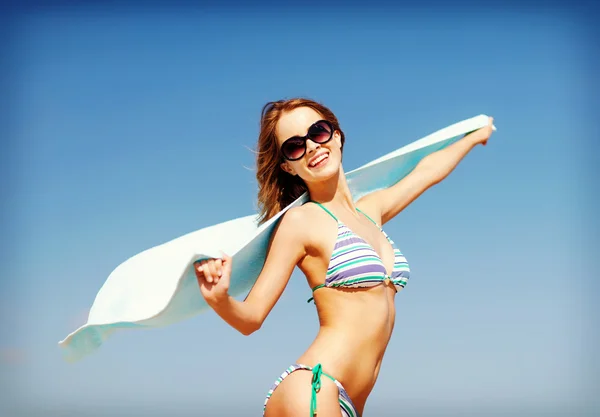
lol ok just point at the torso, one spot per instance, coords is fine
(355, 323)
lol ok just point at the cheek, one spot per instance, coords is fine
(295, 167)
(338, 145)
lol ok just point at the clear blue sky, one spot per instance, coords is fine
(133, 128)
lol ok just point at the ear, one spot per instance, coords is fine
(287, 168)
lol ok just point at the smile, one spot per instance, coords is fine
(319, 160)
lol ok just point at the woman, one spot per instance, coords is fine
(352, 266)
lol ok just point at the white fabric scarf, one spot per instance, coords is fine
(158, 286)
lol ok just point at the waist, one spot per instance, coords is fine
(355, 363)
(356, 327)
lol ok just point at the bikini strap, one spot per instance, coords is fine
(334, 218)
(367, 216)
(323, 207)
(313, 290)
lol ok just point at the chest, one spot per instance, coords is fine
(336, 244)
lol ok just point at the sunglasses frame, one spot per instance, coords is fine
(305, 139)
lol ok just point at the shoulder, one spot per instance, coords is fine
(295, 217)
(298, 232)
(294, 222)
(302, 215)
(304, 223)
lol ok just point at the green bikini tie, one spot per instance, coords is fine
(317, 372)
(316, 387)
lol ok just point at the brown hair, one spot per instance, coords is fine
(277, 188)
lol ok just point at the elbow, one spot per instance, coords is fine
(250, 327)
(247, 331)
(428, 170)
(430, 174)
(435, 179)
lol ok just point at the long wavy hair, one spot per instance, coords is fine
(277, 188)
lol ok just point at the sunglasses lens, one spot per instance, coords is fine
(320, 132)
(293, 148)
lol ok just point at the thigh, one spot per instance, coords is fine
(292, 398)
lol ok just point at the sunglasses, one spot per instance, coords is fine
(319, 132)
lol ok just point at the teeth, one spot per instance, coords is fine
(319, 159)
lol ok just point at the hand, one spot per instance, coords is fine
(482, 135)
(213, 278)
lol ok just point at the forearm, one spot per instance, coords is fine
(237, 314)
(440, 164)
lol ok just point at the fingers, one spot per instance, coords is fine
(218, 268)
(212, 270)
(209, 270)
(203, 271)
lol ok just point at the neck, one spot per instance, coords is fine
(333, 192)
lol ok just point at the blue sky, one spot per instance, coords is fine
(133, 128)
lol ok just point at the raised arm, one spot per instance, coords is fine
(285, 250)
(387, 203)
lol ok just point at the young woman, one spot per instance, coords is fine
(352, 266)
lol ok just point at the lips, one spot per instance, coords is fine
(317, 159)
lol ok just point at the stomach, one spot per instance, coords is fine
(355, 329)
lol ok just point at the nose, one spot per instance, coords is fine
(311, 146)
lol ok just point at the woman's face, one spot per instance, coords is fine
(320, 161)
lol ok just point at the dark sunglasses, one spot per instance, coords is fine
(319, 132)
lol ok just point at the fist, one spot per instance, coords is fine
(213, 278)
(482, 135)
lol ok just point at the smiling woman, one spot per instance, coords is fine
(276, 189)
(341, 248)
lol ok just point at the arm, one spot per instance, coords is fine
(387, 203)
(285, 251)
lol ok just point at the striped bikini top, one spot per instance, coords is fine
(354, 263)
